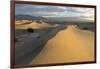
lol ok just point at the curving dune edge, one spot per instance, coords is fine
(68, 45)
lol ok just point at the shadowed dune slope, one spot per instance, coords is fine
(68, 45)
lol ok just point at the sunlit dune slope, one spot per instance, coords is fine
(68, 45)
(34, 25)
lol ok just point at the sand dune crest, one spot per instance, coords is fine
(69, 45)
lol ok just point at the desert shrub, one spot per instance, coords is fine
(85, 28)
(30, 30)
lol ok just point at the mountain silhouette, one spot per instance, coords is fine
(28, 17)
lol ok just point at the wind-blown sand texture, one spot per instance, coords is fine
(68, 45)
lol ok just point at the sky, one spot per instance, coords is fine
(54, 11)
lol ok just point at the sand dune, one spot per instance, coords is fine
(33, 25)
(68, 45)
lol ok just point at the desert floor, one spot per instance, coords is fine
(53, 44)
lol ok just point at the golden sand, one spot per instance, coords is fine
(34, 25)
(69, 45)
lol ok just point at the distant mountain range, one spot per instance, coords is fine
(67, 19)
(52, 19)
(28, 17)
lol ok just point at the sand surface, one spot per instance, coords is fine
(34, 25)
(68, 45)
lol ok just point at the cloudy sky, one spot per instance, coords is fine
(54, 11)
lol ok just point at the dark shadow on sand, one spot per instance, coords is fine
(32, 45)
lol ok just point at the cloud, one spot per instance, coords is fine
(87, 13)
(23, 8)
(55, 11)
